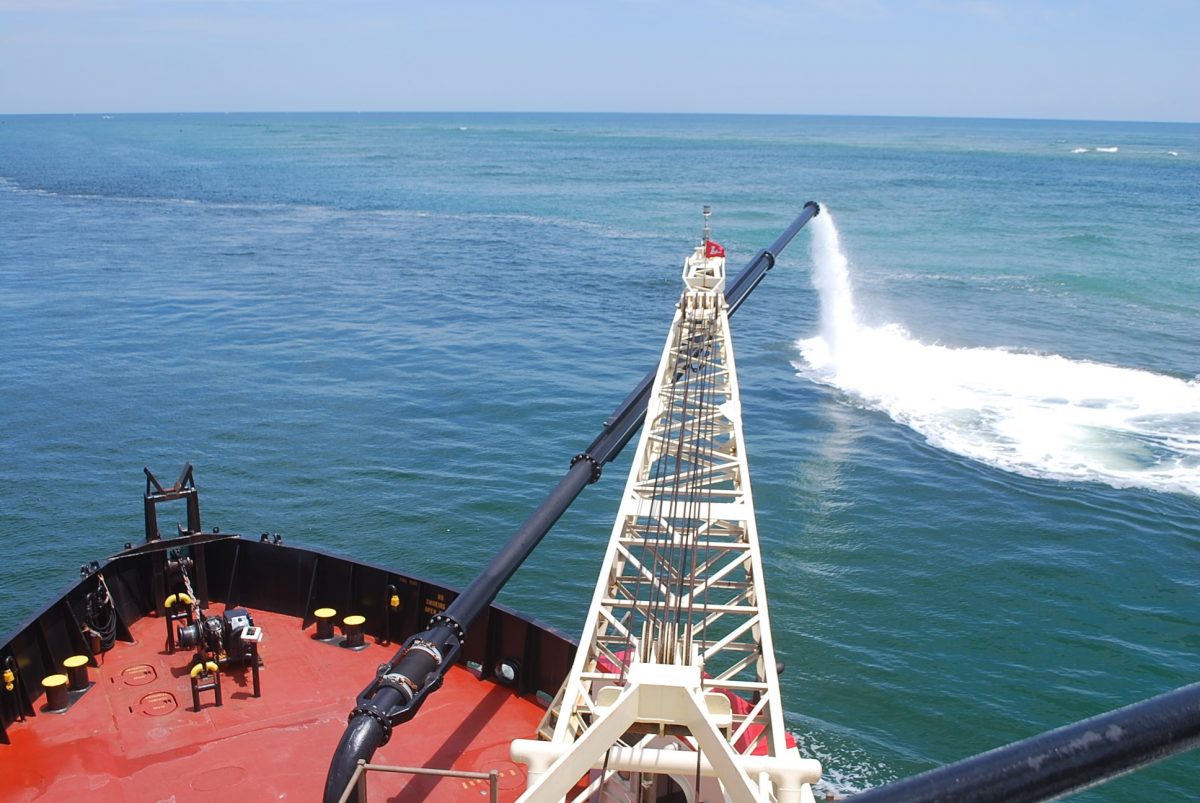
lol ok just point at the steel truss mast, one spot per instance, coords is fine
(675, 683)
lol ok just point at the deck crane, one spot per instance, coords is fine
(674, 687)
(403, 684)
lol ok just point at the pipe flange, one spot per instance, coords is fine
(378, 716)
(595, 465)
(455, 627)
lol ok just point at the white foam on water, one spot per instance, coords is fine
(1040, 415)
(1080, 150)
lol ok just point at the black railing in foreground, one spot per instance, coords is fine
(1061, 761)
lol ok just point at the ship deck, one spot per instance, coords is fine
(133, 736)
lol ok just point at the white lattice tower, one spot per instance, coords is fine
(675, 675)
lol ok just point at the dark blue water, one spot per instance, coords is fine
(386, 335)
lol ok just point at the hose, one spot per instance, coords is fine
(362, 738)
(101, 616)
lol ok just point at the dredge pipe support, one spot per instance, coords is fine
(393, 697)
(401, 685)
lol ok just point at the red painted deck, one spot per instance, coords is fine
(133, 735)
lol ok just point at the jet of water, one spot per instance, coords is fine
(1040, 415)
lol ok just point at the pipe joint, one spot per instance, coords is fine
(400, 682)
(374, 713)
(596, 470)
(446, 621)
(429, 648)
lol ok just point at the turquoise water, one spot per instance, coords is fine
(386, 335)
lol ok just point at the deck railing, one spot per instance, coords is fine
(358, 781)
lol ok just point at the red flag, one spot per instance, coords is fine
(712, 248)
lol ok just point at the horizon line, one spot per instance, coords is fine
(579, 112)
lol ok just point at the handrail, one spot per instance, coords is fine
(358, 781)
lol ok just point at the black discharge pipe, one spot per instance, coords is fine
(1061, 761)
(416, 670)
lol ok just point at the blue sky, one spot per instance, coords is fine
(1132, 60)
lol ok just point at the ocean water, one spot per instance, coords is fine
(970, 389)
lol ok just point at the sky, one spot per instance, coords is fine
(1059, 59)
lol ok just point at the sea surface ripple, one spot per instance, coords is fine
(386, 335)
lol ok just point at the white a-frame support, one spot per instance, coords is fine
(675, 685)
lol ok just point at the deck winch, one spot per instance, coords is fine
(220, 635)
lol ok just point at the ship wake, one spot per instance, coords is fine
(1039, 415)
